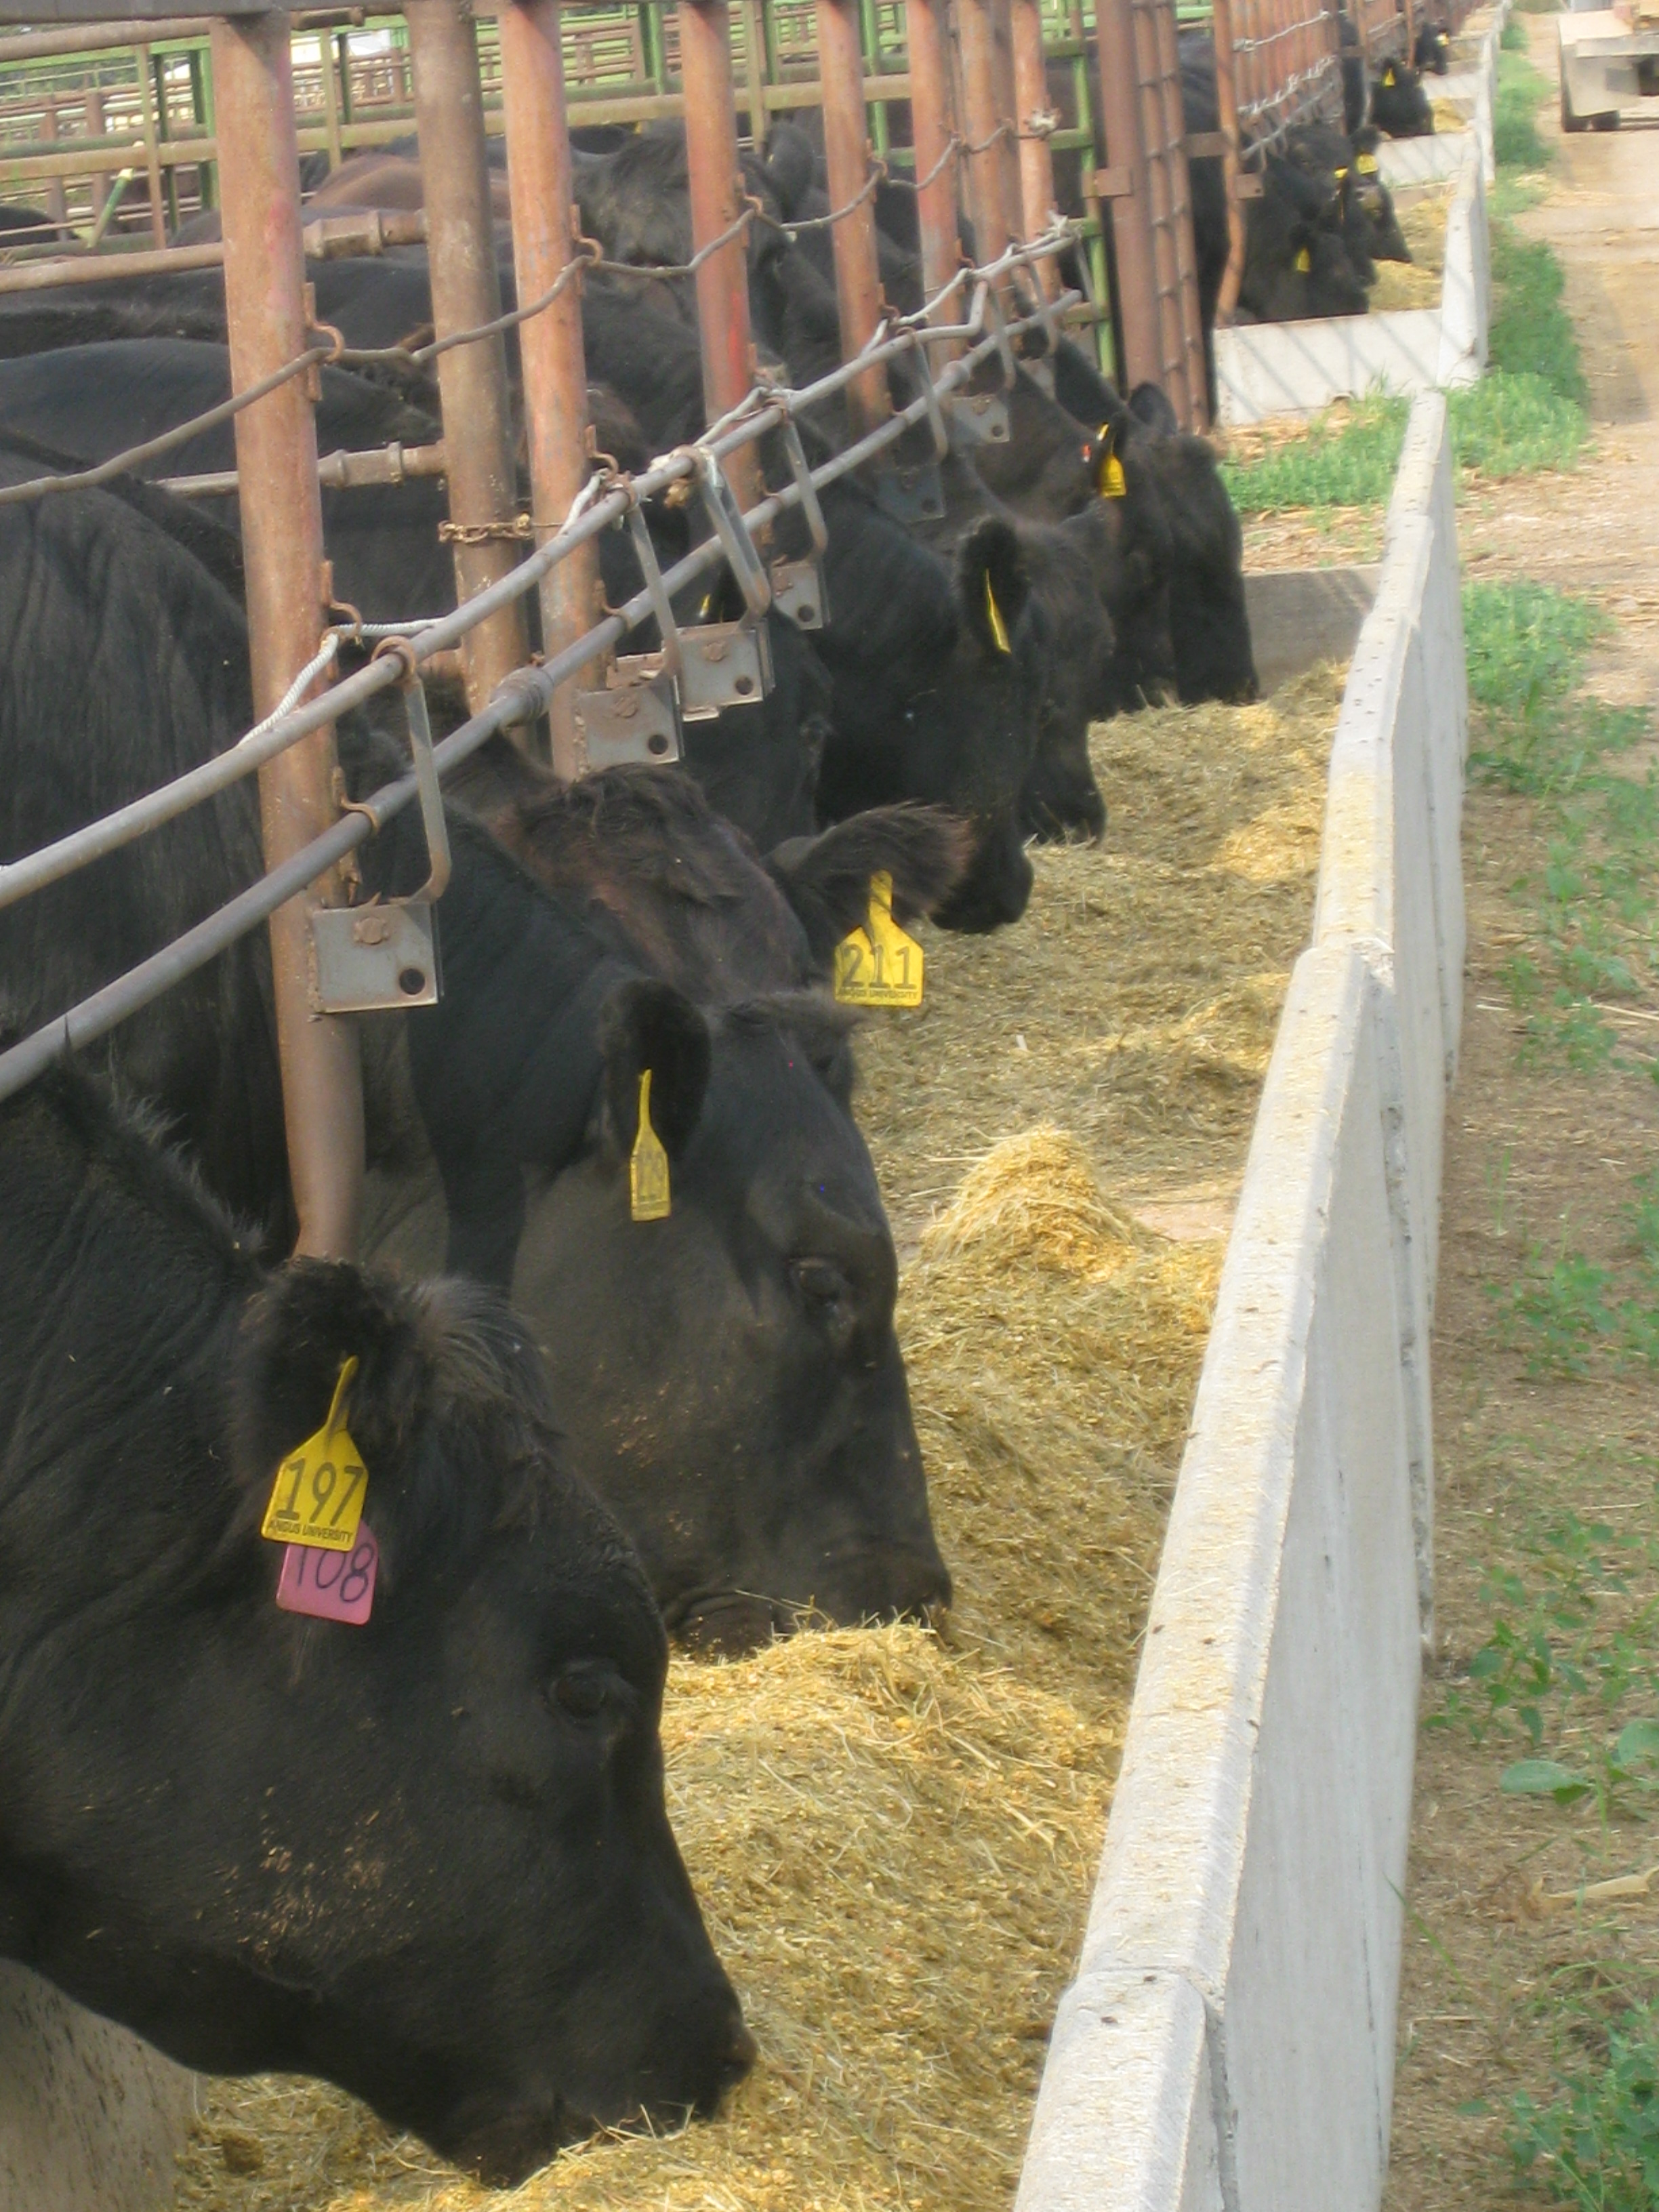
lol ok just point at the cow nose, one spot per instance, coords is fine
(741, 2053)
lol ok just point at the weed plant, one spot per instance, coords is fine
(1521, 91)
(1595, 2144)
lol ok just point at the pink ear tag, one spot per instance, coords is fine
(330, 1585)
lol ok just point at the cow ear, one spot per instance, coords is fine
(1150, 406)
(993, 584)
(790, 166)
(826, 880)
(648, 1024)
(310, 1318)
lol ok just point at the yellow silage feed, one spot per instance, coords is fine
(894, 1833)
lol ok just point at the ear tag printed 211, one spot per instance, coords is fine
(317, 1500)
(647, 1164)
(878, 965)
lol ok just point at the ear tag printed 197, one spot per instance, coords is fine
(647, 1164)
(317, 1500)
(878, 965)
(330, 1585)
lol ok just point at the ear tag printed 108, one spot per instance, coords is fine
(330, 1585)
(317, 1500)
(878, 965)
(647, 1166)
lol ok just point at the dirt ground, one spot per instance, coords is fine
(1498, 1985)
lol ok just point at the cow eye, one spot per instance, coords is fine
(820, 1282)
(583, 1691)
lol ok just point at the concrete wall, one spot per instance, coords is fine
(90, 2118)
(1228, 2043)
(1296, 369)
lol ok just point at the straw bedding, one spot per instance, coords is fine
(893, 1832)
(1416, 282)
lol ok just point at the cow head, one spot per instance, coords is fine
(939, 679)
(728, 1378)
(426, 1858)
(1399, 105)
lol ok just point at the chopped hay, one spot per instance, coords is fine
(894, 1833)
(1417, 282)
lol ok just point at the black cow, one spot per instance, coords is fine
(693, 899)
(1210, 625)
(1433, 50)
(789, 1469)
(1356, 92)
(1296, 266)
(426, 1858)
(1399, 105)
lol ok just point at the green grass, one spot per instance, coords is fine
(1346, 462)
(1512, 38)
(1531, 333)
(1595, 2145)
(1521, 91)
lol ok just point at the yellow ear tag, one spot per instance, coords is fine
(993, 613)
(1366, 164)
(1387, 80)
(880, 965)
(1303, 262)
(1112, 485)
(318, 1496)
(1339, 174)
(647, 1164)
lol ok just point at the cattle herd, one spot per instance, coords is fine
(427, 1858)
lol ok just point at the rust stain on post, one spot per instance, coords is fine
(466, 292)
(986, 124)
(1226, 101)
(1132, 232)
(717, 194)
(282, 554)
(1036, 165)
(550, 343)
(846, 160)
(932, 125)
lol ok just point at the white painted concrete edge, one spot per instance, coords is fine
(1228, 2044)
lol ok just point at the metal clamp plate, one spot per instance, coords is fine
(367, 958)
(979, 418)
(910, 495)
(636, 718)
(798, 591)
(723, 664)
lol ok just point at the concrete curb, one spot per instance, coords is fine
(1228, 2044)
(90, 2118)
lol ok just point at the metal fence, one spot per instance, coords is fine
(970, 318)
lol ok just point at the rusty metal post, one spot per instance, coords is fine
(932, 128)
(57, 209)
(717, 195)
(1127, 189)
(1032, 117)
(986, 126)
(550, 343)
(466, 291)
(847, 159)
(282, 556)
(1226, 102)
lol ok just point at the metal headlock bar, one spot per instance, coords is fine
(604, 500)
(329, 955)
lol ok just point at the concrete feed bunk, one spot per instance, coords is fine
(894, 1834)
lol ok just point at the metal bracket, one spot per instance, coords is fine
(367, 959)
(999, 323)
(799, 587)
(936, 422)
(635, 718)
(1114, 184)
(980, 418)
(724, 664)
(725, 519)
(910, 495)
(657, 591)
